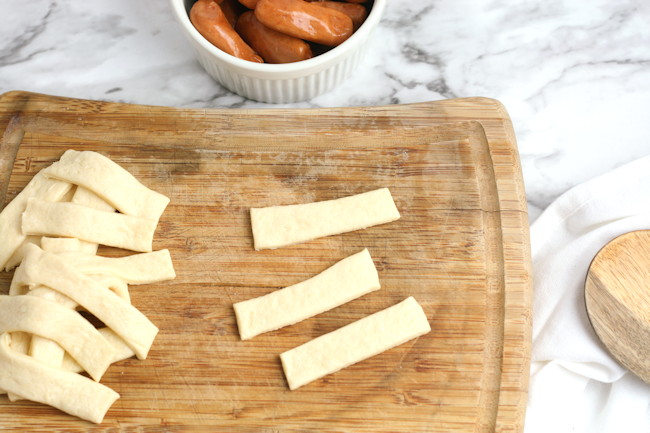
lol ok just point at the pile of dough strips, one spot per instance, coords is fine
(350, 278)
(52, 230)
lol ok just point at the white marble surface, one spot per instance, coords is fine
(574, 75)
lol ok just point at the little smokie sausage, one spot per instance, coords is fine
(231, 9)
(356, 12)
(273, 46)
(208, 18)
(250, 4)
(304, 20)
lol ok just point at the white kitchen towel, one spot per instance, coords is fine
(576, 386)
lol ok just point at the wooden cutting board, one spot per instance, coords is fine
(461, 249)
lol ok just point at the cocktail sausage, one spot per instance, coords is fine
(208, 18)
(273, 46)
(304, 20)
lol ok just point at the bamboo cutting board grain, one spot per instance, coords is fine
(461, 249)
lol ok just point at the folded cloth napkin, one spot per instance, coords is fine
(576, 385)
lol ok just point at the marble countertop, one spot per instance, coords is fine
(574, 75)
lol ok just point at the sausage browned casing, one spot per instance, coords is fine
(231, 9)
(357, 12)
(208, 18)
(304, 20)
(273, 46)
(250, 4)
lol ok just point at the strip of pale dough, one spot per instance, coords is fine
(91, 225)
(44, 349)
(122, 351)
(88, 198)
(47, 269)
(110, 181)
(144, 268)
(41, 348)
(11, 234)
(348, 279)
(50, 353)
(66, 245)
(355, 342)
(19, 343)
(50, 320)
(72, 393)
(279, 226)
(18, 255)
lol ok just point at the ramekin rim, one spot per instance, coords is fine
(316, 63)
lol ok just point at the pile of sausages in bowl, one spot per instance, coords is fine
(277, 31)
(279, 50)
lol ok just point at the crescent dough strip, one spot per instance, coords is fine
(86, 197)
(47, 269)
(91, 225)
(44, 349)
(115, 285)
(11, 234)
(69, 392)
(18, 255)
(69, 329)
(144, 268)
(41, 348)
(111, 182)
(64, 245)
(279, 226)
(49, 352)
(346, 280)
(122, 351)
(354, 342)
(19, 343)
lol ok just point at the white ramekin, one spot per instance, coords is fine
(283, 83)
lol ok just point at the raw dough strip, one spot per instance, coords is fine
(47, 269)
(19, 343)
(66, 245)
(88, 198)
(279, 226)
(72, 393)
(81, 196)
(69, 329)
(18, 255)
(144, 268)
(115, 285)
(355, 342)
(91, 225)
(110, 181)
(11, 234)
(44, 349)
(49, 352)
(40, 348)
(122, 351)
(346, 280)
(149, 267)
